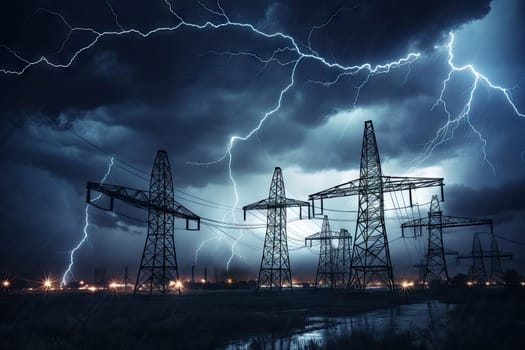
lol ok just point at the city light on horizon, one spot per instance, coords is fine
(47, 283)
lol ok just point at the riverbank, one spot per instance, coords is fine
(478, 318)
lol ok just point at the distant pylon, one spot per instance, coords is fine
(477, 272)
(325, 276)
(325, 266)
(342, 258)
(495, 260)
(496, 256)
(436, 265)
(333, 269)
(435, 268)
(275, 263)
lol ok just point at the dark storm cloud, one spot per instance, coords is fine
(130, 96)
(366, 31)
(173, 81)
(145, 69)
(398, 121)
(487, 201)
(33, 234)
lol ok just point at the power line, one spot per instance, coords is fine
(511, 240)
(109, 154)
(129, 165)
(228, 235)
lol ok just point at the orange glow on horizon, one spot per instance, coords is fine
(47, 283)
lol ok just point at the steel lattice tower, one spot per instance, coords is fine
(370, 259)
(158, 269)
(342, 258)
(370, 254)
(333, 269)
(325, 276)
(325, 266)
(496, 256)
(275, 263)
(435, 267)
(495, 260)
(158, 266)
(477, 272)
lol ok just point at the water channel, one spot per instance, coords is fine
(428, 321)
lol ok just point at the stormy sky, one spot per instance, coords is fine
(188, 89)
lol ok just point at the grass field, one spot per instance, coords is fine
(208, 319)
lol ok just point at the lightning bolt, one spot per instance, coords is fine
(217, 237)
(68, 271)
(114, 14)
(313, 54)
(224, 21)
(446, 132)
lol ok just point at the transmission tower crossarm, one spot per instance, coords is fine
(398, 183)
(131, 196)
(350, 188)
(388, 184)
(448, 251)
(486, 254)
(315, 237)
(320, 236)
(266, 204)
(499, 254)
(139, 199)
(456, 221)
(459, 258)
(446, 222)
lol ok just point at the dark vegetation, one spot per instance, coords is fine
(208, 319)
(485, 318)
(488, 318)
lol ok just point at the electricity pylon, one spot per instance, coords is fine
(158, 269)
(496, 256)
(477, 272)
(333, 269)
(495, 260)
(342, 258)
(275, 262)
(436, 265)
(370, 259)
(325, 276)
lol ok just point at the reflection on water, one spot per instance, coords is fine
(428, 319)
